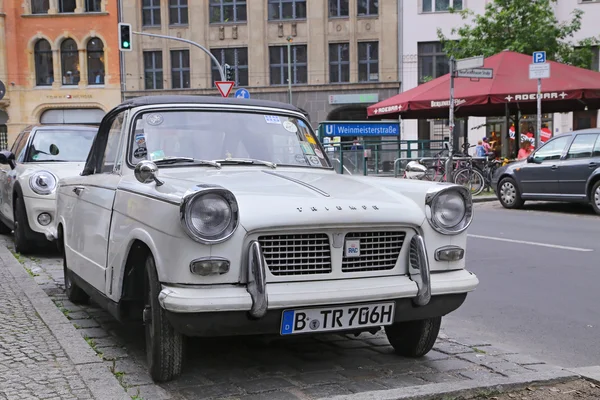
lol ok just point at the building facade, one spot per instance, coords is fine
(423, 59)
(59, 62)
(344, 53)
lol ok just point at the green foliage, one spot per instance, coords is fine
(523, 26)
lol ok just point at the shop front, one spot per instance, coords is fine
(503, 143)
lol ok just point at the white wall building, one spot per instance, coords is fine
(422, 57)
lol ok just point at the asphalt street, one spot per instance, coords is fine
(539, 270)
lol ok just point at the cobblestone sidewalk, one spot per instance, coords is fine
(275, 368)
(33, 364)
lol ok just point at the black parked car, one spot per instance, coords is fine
(565, 168)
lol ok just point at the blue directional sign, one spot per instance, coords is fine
(242, 93)
(539, 57)
(331, 129)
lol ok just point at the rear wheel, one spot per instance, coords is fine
(74, 292)
(22, 244)
(508, 194)
(414, 338)
(595, 197)
(472, 179)
(164, 345)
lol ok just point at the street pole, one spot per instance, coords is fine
(204, 49)
(289, 56)
(449, 174)
(539, 114)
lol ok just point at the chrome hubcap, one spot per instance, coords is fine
(508, 193)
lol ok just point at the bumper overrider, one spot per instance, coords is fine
(256, 308)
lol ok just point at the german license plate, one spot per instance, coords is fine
(337, 318)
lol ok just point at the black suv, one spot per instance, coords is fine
(565, 168)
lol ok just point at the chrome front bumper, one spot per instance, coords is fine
(258, 296)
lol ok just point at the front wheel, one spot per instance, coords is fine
(22, 245)
(472, 179)
(414, 338)
(595, 197)
(164, 345)
(508, 194)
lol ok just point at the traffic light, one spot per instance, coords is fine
(228, 72)
(124, 37)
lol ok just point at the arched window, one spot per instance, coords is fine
(44, 69)
(69, 58)
(95, 61)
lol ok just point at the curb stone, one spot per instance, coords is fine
(484, 199)
(589, 373)
(100, 382)
(463, 388)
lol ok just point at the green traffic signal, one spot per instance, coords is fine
(126, 44)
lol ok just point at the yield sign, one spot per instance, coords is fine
(224, 87)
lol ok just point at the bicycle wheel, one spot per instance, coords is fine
(471, 179)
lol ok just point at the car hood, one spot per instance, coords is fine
(508, 168)
(59, 169)
(293, 197)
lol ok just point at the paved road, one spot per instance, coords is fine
(541, 297)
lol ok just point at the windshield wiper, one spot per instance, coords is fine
(175, 160)
(246, 161)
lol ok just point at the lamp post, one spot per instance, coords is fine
(289, 56)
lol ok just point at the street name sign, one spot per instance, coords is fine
(469, 63)
(480, 73)
(331, 129)
(539, 57)
(539, 71)
(224, 87)
(242, 93)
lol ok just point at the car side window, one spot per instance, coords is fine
(582, 146)
(19, 147)
(552, 150)
(112, 144)
(596, 152)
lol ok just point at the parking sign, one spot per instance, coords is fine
(539, 57)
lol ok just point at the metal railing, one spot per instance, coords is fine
(425, 161)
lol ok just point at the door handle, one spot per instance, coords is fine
(78, 189)
(554, 167)
(593, 165)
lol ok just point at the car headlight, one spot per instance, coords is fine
(210, 215)
(449, 210)
(42, 182)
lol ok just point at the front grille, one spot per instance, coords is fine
(379, 251)
(297, 254)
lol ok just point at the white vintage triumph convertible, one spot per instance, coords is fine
(204, 216)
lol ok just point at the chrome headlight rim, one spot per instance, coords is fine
(434, 195)
(187, 203)
(36, 189)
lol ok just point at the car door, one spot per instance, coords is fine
(539, 177)
(8, 175)
(577, 166)
(92, 209)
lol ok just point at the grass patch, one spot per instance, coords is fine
(476, 350)
(18, 256)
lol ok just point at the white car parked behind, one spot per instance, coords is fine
(39, 157)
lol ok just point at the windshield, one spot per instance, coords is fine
(225, 135)
(61, 145)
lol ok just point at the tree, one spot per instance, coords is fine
(523, 26)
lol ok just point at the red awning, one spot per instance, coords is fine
(568, 89)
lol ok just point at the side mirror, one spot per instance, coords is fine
(531, 159)
(54, 149)
(146, 172)
(7, 158)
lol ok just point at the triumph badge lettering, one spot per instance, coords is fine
(340, 208)
(337, 318)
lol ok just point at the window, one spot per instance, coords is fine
(18, 148)
(278, 63)
(180, 69)
(368, 62)
(582, 146)
(153, 69)
(441, 5)
(44, 68)
(339, 63)
(73, 145)
(69, 58)
(151, 12)
(552, 150)
(93, 5)
(40, 6)
(368, 7)
(596, 152)
(433, 62)
(287, 9)
(95, 61)
(178, 12)
(338, 8)
(67, 6)
(237, 58)
(227, 11)
(112, 144)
